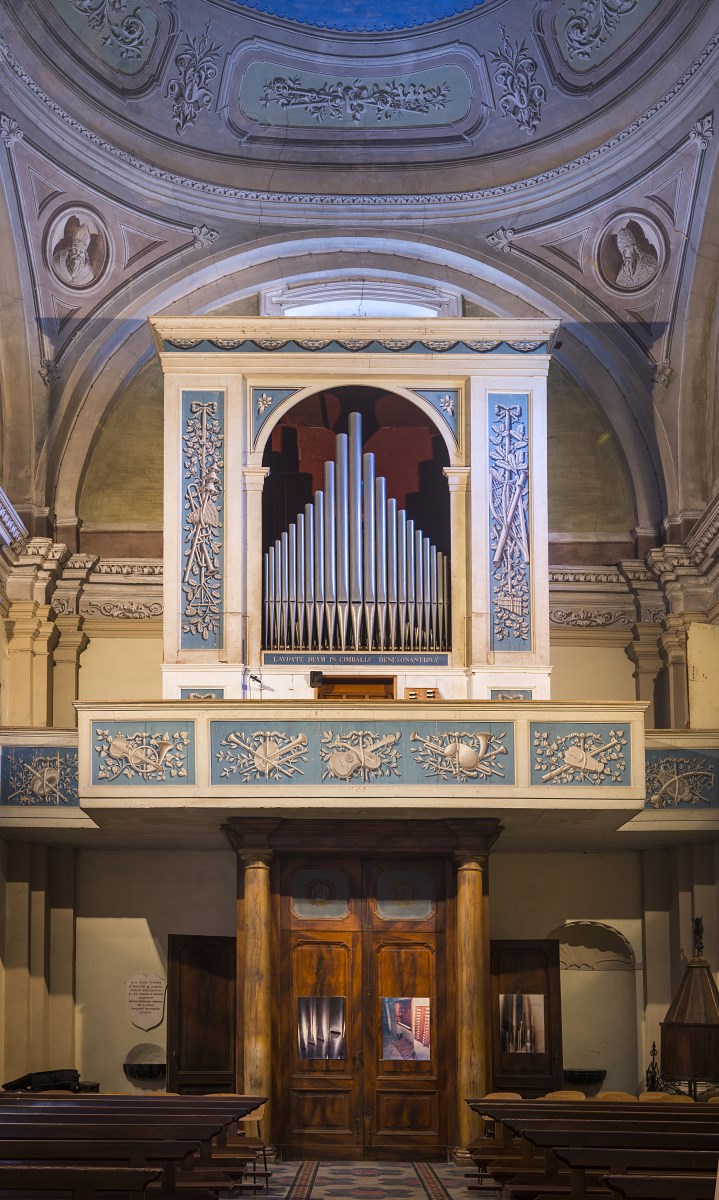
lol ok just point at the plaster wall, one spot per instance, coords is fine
(4, 690)
(532, 895)
(128, 901)
(591, 673)
(703, 672)
(123, 668)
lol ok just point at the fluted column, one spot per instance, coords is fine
(256, 984)
(458, 480)
(472, 989)
(254, 482)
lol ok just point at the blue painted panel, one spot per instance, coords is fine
(321, 658)
(142, 754)
(38, 776)
(566, 753)
(682, 779)
(202, 526)
(202, 693)
(264, 402)
(314, 752)
(446, 402)
(368, 16)
(510, 593)
(355, 345)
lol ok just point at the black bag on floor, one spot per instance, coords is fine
(45, 1081)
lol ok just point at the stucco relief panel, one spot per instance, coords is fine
(82, 247)
(628, 250)
(269, 93)
(584, 42)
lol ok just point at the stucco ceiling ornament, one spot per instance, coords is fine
(48, 371)
(501, 239)
(122, 30)
(522, 97)
(313, 200)
(592, 23)
(189, 91)
(204, 237)
(336, 100)
(10, 131)
(632, 252)
(663, 372)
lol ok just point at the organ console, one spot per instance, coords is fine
(352, 572)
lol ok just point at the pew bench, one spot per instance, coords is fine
(79, 1182)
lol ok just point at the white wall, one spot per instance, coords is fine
(593, 674)
(121, 668)
(127, 901)
(531, 895)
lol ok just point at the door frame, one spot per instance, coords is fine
(375, 837)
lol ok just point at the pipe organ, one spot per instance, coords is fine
(352, 572)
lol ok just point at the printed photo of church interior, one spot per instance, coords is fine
(359, 575)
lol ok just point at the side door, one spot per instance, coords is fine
(200, 1014)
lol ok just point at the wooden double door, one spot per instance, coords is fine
(365, 1024)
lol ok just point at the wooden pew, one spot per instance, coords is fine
(663, 1187)
(81, 1182)
(602, 1159)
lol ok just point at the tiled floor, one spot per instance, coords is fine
(369, 1181)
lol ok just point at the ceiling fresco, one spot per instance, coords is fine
(363, 16)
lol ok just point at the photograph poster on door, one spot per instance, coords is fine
(405, 1028)
(521, 1023)
(321, 1027)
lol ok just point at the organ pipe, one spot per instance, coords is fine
(352, 571)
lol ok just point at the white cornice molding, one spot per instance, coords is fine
(12, 528)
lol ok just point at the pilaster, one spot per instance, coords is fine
(253, 479)
(458, 480)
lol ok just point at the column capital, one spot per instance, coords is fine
(254, 478)
(256, 858)
(469, 860)
(457, 478)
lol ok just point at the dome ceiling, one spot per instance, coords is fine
(363, 16)
(435, 95)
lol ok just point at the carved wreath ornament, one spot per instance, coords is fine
(680, 781)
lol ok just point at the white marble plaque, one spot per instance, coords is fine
(146, 1000)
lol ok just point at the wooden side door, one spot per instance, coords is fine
(200, 1014)
(526, 1016)
(406, 1018)
(319, 1100)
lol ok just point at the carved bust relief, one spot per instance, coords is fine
(632, 252)
(77, 248)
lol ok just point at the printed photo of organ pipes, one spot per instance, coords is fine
(521, 1023)
(405, 1028)
(321, 1027)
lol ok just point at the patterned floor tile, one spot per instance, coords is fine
(370, 1181)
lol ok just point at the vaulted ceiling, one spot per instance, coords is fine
(519, 157)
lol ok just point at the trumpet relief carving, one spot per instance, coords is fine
(151, 757)
(461, 755)
(266, 755)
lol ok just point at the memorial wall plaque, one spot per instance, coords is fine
(146, 1000)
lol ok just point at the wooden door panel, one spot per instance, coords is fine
(526, 1016)
(322, 1039)
(201, 1013)
(402, 1091)
(407, 1111)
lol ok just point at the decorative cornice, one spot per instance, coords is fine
(12, 529)
(127, 609)
(516, 187)
(585, 618)
(586, 575)
(706, 530)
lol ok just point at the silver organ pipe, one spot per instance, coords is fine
(352, 571)
(355, 526)
(410, 585)
(330, 552)
(392, 570)
(342, 527)
(319, 567)
(309, 570)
